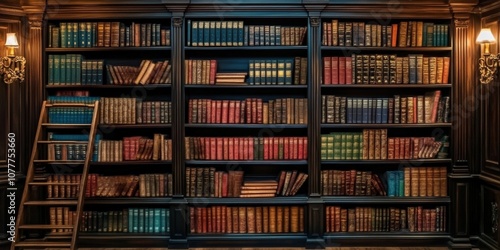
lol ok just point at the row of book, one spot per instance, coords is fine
(107, 34)
(136, 148)
(71, 115)
(373, 144)
(265, 219)
(53, 152)
(402, 34)
(386, 69)
(236, 33)
(387, 219)
(134, 111)
(246, 148)
(67, 69)
(207, 182)
(428, 108)
(64, 152)
(248, 111)
(143, 185)
(130, 220)
(421, 181)
(148, 72)
(278, 71)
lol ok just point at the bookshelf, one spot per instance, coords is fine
(301, 76)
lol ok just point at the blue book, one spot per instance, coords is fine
(157, 220)
(391, 183)
(194, 41)
(223, 33)
(218, 25)
(64, 34)
(206, 33)
(288, 71)
(88, 35)
(188, 37)
(212, 33)
(229, 33)
(100, 69)
(251, 72)
(141, 220)
(76, 35)
(385, 110)
(412, 59)
(240, 33)
(62, 72)
(82, 30)
(379, 110)
(51, 70)
(278, 35)
(401, 183)
(245, 35)
(166, 215)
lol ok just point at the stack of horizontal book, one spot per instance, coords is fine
(261, 188)
(235, 78)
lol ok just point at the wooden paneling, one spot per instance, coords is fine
(490, 215)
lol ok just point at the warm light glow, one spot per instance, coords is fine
(485, 36)
(11, 40)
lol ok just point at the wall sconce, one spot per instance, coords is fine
(11, 66)
(488, 63)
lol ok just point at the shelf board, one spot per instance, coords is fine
(144, 125)
(127, 200)
(113, 240)
(131, 163)
(250, 162)
(302, 200)
(107, 49)
(394, 49)
(383, 200)
(388, 236)
(273, 86)
(236, 240)
(216, 48)
(387, 125)
(65, 126)
(367, 162)
(247, 126)
(385, 86)
(110, 86)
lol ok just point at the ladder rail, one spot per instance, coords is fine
(78, 203)
(84, 175)
(30, 174)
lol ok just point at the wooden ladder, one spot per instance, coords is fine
(55, 234)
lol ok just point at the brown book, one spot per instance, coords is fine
(272, 219)
(251, 217)
(265, 219)
(294, 219)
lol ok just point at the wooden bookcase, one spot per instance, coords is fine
(236, 58)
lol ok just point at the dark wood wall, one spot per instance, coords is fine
(11, 107)
(489, 171)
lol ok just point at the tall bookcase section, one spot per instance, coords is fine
(126, 65)
(385, 128)
(246, 129)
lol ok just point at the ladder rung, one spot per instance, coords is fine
(69, 104)
(64, 125)
(53, 183)
(60, 161)
(42, 244)
(51, 203)
(63, 142)
(45, 226)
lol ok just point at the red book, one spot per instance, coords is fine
(248, 113)
(335, 70)
(259, 111)
(242, 112)
(237, 111)
(189, 78)
(126, 148)
(294, 148)
(301, 148)
(446, 69)
(342, 70)
(435, 104)
(213, 111)
(254, 110)
(394, 32)
(199, 219)
(213, 70)
(247, 148)
(192, 226)
(225, 111)
(226, 148)
(348, 70)
(250, 148)
(208, 107)
(207, 149)
(236, 148)
(218, 111)
(210, 218)
(219, 148)
(266, 148)
(231, 111)
(212, 148)
(286, 147)
(305, 148)
(224, 184)
(327, 70)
